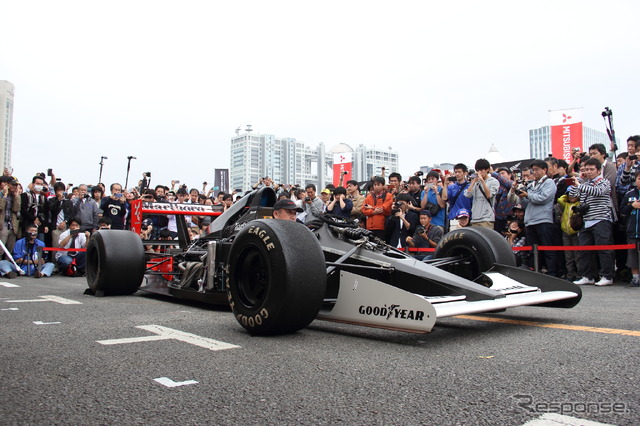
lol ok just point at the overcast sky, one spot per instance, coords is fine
(169, 82)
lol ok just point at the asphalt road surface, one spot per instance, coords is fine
(144, 359)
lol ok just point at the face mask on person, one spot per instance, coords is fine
(37, 188)
(514, 231)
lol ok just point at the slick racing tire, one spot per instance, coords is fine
(480, 249)
(277, 277)
(115, 262)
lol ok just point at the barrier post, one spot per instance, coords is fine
(536, 262)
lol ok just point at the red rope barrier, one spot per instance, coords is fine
(550, 248)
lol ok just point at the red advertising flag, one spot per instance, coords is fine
(566, 132)
(342, 168)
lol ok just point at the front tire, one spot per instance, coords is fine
(115, 262)
(277, 277)
(480, 249)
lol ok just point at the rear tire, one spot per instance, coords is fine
(115, 262)
(277, 277)
(481, 248)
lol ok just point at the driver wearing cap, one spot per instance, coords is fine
(286, 209)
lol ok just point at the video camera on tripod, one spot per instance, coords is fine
(607, 115)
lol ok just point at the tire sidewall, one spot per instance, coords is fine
(296, 276)
(115, 262)
(485, 245)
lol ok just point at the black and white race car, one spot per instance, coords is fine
(279, 275)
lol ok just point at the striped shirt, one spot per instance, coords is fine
(596, 194)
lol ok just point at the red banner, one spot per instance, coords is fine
(566, 132)
(342, 168)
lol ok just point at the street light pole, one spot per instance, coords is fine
(102, 158)
(126, 182)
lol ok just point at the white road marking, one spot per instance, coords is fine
(165, 333)
(9, 285)
(171, 384)
(55, 299)
(552, 419)
(9, 309)
(45, 323)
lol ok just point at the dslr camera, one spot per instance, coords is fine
(581, 209)
(395, 208)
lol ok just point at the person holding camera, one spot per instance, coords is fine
(267, 181)
(427, 235)
(34, 207)
(59, 213)
(340, 205)
(431, 197)
(28, 254)
(70, 239)
(402, 222)
(595, 197)
(10, 203)
(483, 189)
(312, 205)
(628, 169)
(568, 206)
(630, 208)
(377, 207)
(538, 198)
(608, 170)
(85, 209)
(114, 206)
(395, 181)
(505, 199)
(458, 183)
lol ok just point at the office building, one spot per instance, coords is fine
(289, 161)
(6, 122)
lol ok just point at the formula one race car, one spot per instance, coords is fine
(279, 275)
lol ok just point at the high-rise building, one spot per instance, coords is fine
(540, 140)
(6, 122)
(289, 161)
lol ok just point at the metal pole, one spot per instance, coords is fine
(126, 182)
(101, 164)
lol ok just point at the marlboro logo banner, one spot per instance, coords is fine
(342, 168)
(566, 132)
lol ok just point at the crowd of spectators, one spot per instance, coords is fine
(594, 200)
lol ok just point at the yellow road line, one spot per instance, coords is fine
(560, 326)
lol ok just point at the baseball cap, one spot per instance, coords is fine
(425, 212)
(326, 191)
(517, 206)
(287, 204)
(463, 213)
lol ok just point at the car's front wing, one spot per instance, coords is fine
(372, 303)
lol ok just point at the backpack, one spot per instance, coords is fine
(71, 269)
